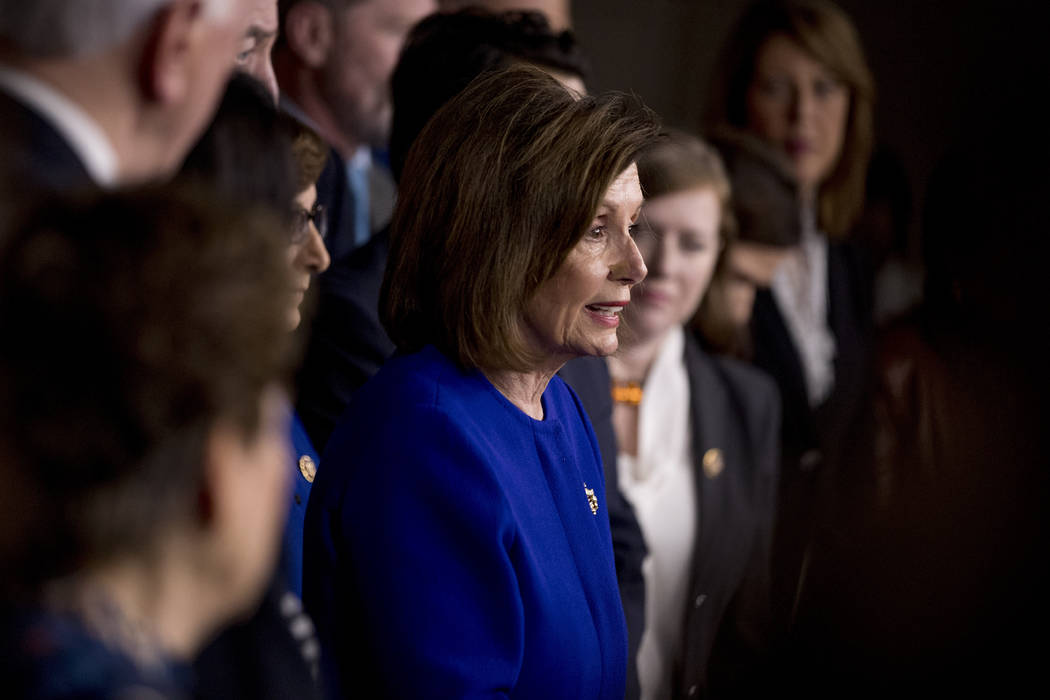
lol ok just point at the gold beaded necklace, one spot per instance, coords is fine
(629, 393)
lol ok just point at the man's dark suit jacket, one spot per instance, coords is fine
(35, 160)
(347, 344)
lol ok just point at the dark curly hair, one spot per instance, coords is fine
(130, 323)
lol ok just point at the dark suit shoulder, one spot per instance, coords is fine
(735, 388)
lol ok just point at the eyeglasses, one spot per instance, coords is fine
(301, 220)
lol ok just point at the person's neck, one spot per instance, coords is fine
(98, 86)
(523, 389)
(299, 84)
(153, 608)
(634, 359)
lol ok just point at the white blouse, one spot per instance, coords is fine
(800, 289)
(660, 484)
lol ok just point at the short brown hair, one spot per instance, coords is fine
(130, 323)
(826, 33)
(496, 190)
(681, 161)
(309, 151)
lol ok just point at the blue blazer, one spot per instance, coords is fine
(304, 468)
(456, 547)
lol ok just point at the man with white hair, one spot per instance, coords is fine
(108, 92)
(254, 53)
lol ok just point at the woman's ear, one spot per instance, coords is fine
(309, 31)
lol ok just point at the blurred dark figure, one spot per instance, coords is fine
(765, 206)
(936, 572)
(148, 424)
(884, 231)
(794, 74)
(261, 158)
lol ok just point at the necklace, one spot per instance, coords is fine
(629, 393)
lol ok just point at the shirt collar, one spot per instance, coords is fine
(81, 132)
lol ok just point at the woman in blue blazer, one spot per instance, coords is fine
(457, 538)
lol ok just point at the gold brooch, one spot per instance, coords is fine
(307, 468)
(713, 463)
(592, 500)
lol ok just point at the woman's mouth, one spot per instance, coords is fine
(606, 313)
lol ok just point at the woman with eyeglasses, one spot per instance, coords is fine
(259, 157)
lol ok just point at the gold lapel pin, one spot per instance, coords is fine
(713, 463)
(592, 500)
(307, 468)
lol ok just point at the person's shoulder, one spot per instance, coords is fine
(736, 376)
(419, 386)
(747, 379)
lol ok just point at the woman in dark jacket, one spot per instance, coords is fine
(698, 443)
(794, 74)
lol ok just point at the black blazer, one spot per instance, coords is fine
(346, 343)
(735, 410)
(815, 443)
(813, 437)
(35, 160)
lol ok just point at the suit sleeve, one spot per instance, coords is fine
(426, 598)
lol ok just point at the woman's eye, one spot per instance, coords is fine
(824, 88)
(634, 230)
(774, 87)
(596, 232)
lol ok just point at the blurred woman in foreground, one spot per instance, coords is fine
(457, 537)
(148, 419)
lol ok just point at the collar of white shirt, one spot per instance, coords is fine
(81, 132)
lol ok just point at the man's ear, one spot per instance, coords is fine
(309, 31)
(165, 70)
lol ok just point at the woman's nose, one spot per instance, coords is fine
(629, 267)
(315, 252)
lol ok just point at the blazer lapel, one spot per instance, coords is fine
(717, 453)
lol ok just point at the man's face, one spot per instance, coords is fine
(253, 56)
(366, 43)
(208, 61)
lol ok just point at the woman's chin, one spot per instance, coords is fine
(294, 318)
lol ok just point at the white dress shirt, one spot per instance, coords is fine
(661, 485)
(800, 289)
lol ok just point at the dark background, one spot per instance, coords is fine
(946, 71)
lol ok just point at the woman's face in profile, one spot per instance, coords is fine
(797, 105)
(577, 311)
(306, 252)
(678, 236)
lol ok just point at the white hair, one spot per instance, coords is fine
(70, 28)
